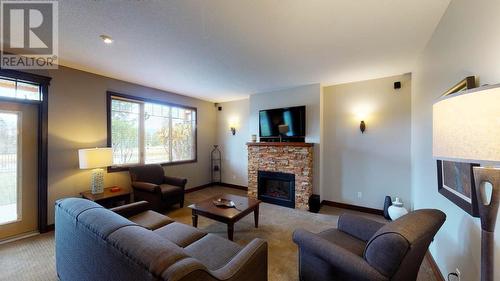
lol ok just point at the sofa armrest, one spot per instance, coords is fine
(132, 209)
(357, 226)
(339, 258)
(250, 260)
(249, 264)
(146, 186)
(181, 182)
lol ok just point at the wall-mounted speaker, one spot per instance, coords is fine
(397, 85)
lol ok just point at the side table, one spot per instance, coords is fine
(108, 198)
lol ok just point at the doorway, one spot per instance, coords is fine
(18, 169)
(25, 95)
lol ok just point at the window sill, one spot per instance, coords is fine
(114, 169)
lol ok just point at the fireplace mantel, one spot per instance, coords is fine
(286, 157)
(299, 144)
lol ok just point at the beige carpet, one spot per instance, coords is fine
(28, 259)
(33, 258)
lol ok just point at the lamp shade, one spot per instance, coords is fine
(95, 157)
(467, 126)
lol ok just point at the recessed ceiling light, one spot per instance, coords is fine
(106, 39)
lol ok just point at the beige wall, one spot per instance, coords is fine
(466, 42)
(233, 148)
(77, 119)
(376, 163)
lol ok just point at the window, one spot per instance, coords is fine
(146, 132)
(13, 88)
(125, 132)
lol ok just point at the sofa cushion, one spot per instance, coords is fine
(180, 234)
(75, 206)
(146, 248)
(102, 221)
(213, 251)
(151, 219)
(344, 240)
(170, 190)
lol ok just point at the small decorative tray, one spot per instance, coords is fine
(221, 202)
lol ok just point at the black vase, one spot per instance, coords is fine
(314, 203)
(387, 203)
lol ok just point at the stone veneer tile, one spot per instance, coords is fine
(291, 159)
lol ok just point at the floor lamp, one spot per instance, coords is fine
(466, 127)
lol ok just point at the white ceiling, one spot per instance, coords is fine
(220, 50)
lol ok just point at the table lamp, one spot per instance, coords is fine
(466, 127)
(96, 159)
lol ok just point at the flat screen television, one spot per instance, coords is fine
(288, 122)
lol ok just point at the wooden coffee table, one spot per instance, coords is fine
(229, 216)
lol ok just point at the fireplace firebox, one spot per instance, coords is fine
(276, 188)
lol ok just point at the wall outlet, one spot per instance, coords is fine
(360, 194)
(234, 177)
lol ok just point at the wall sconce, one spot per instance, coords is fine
(362, 126)
(363, 113)
(233, 123)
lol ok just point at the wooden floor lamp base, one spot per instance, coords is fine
(487, 255)
(488, 210)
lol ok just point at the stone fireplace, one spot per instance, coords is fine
(280, 173)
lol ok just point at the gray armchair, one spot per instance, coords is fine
(150, 184)
(361, 249)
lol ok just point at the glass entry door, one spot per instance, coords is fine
(18, 169)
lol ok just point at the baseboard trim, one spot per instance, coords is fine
(200, 187)
(197, 188)
(50, 227)
(435, 269)
(19, 237)
(241, 187)
(353, 207)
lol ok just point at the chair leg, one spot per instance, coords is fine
(181, 203)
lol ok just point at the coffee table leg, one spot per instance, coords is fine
(256, 216)
(230, 231)
(195, 219)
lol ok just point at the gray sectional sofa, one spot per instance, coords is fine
(94, 243)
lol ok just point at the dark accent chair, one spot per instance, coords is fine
(150, 184)
(361, 249)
